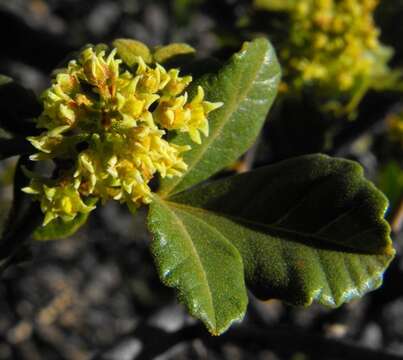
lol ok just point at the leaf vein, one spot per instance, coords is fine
(235, 99)
(268, 226)
(194, 250)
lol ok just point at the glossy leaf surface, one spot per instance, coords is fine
(309, 228)
(247, 85)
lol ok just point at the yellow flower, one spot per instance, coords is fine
(151, 80)
(199, 111)
(107, 125)
(333, 48)
(176, 84)
(172, 114)
(178, 114)
(60, 200)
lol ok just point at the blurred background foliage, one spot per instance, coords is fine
(97, 295)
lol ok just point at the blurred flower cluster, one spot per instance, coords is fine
(395, 127)
(105, 128)
(331, 47)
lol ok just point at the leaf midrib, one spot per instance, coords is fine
(210, 139)
(276, 228)
(194, 250)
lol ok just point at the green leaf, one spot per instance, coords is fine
(17, 106)
(309, 228)
(390, 181)
(60, 229)
(129, 50)
(200, 262)
(173, 52)
(247, 86)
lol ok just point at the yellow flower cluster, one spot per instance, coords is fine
(105, 128)
(333, 46)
